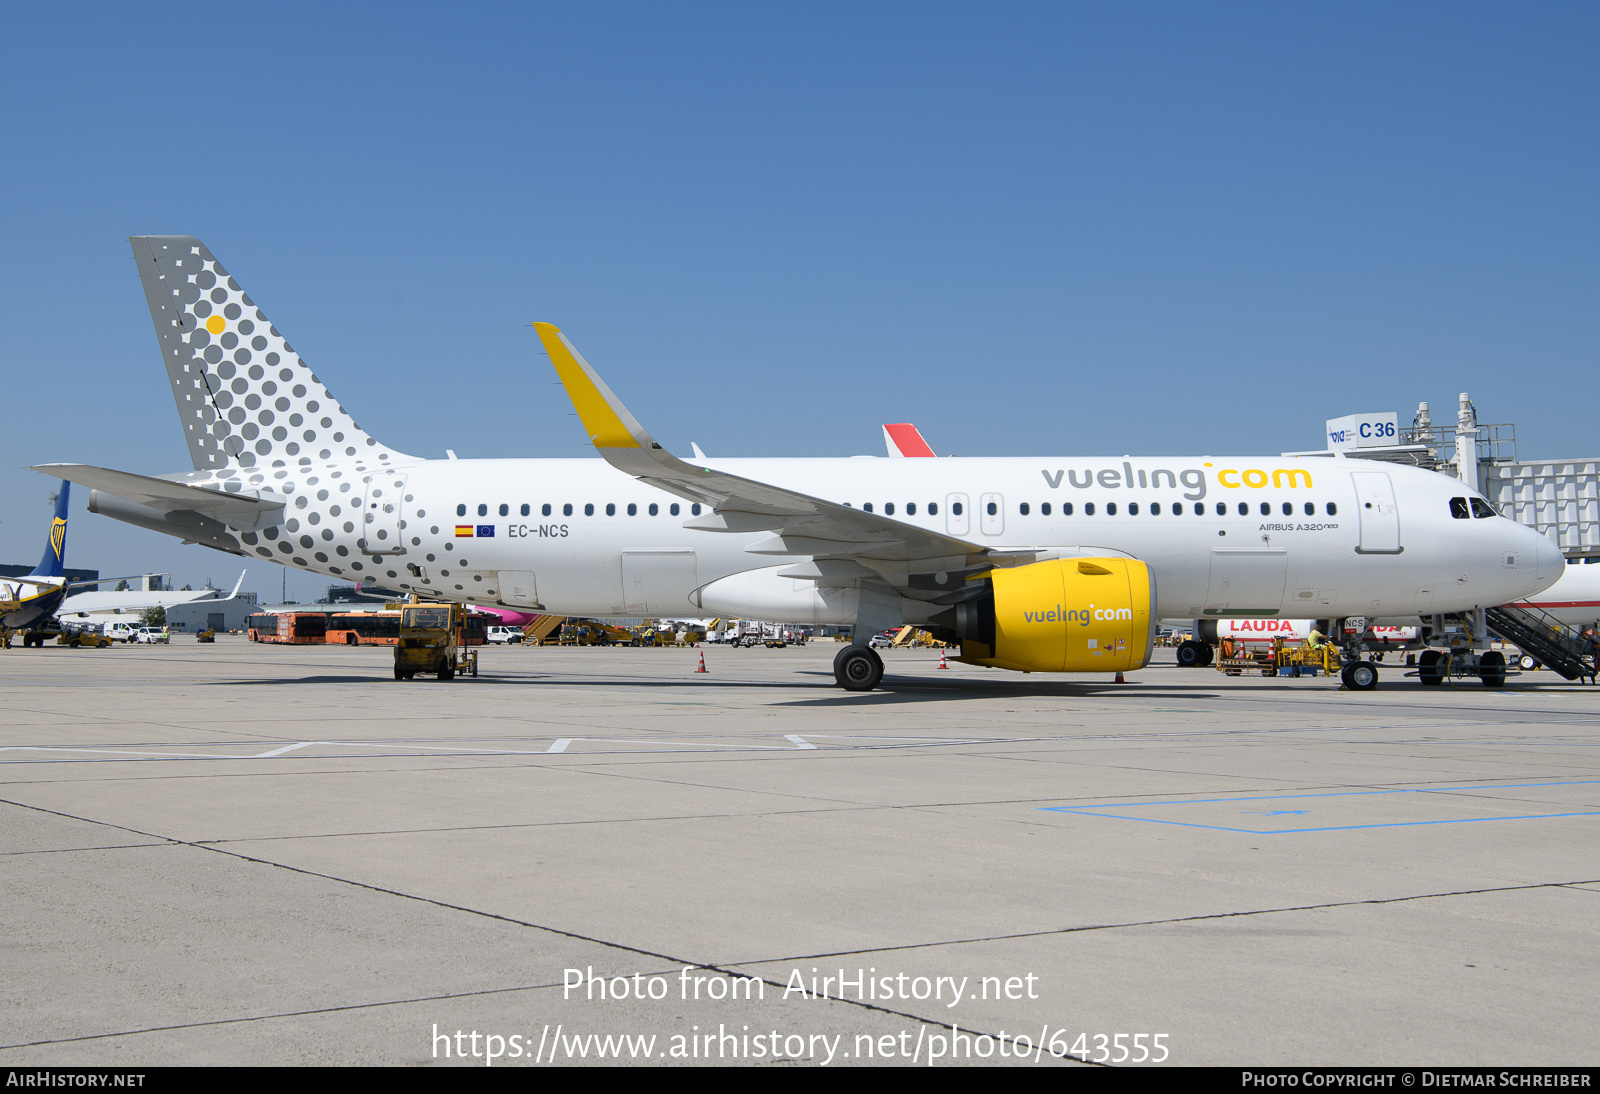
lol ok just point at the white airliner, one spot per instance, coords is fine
(1060, 564)
(1574, 599)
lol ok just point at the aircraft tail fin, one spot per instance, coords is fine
(903, 439)
(55, 548)
(245, 398)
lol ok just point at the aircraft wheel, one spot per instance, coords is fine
(1429, 669)
(857, 668)
(1361, 676)
(1528, 662)
(1492, 669)
(1192, 654)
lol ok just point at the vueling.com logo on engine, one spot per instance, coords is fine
(1080, 616)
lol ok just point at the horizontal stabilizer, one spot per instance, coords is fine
(241, 510)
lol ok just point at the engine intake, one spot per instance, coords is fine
(1064, 615)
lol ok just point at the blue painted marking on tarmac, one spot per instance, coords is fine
(1100, 811)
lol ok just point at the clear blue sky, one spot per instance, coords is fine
(1029, 228)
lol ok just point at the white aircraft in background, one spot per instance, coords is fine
(1574, 599)
(1055, 564)
(138, 600)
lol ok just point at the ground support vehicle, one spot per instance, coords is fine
(1281, 660)
(206, 635)
(82, 634)
(150, 636)
(432, 640)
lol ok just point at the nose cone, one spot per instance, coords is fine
(1551, 562)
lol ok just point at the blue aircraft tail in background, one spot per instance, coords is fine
(55, 548)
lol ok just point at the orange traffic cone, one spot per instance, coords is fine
(1120, 680)
(702, 667)
(942, 663)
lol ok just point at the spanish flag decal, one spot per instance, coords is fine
(463, 530)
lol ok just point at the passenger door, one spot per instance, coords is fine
(1380, 516)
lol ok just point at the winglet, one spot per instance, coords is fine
(605, 419)
(238, 583)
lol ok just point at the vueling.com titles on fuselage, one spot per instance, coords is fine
(1192, 479)
(1080, 616)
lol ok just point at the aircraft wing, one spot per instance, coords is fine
(243, 509)
(843, 542)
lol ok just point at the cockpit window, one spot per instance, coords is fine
(1458, 509)
(1481, 508)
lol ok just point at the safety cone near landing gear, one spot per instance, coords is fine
(942, 663)
(1120, 680)
(702, 667)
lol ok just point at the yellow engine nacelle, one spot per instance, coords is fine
(1065, 615)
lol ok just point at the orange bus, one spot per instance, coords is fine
(293, 628)
(363, 628)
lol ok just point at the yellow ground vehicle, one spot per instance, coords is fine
(1282, 660)
(206, 635)
(431, 641)
(83, 634)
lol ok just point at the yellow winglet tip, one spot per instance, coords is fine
(601, 420)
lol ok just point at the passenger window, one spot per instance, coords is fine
(545, 511)
(955, 508)
(633, 510)
(461, 510)
(1458, 509)
(611, 509)
(1133, 508)
(993, 509)
(525, 509)
(1155, 509)
(1333, 510)
(673, 509)
(1088, 508)
(1200, 508)
(694, 510)
(1111, 508)
(505, 510)
(483, 510)
(888, 508)
(1222, 508)
(1023, 508)
(1066, 508)
(1311, 509)
(654, 509)
(1288, 509)
(566, 510)
(1481, 509)
(1044, 508)
(933, 508)
(588, 509)
(1244, 509)
(1266, 509)
(911, 508)
(866, 507)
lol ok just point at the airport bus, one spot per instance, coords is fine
(292, 628)
(363, 628)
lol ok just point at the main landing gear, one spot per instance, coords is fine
(857, 668)
(1194, 655)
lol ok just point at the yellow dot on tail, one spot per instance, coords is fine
(215, 324)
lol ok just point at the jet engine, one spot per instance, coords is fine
(1064, 615)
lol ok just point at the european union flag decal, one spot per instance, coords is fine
(485, 530)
